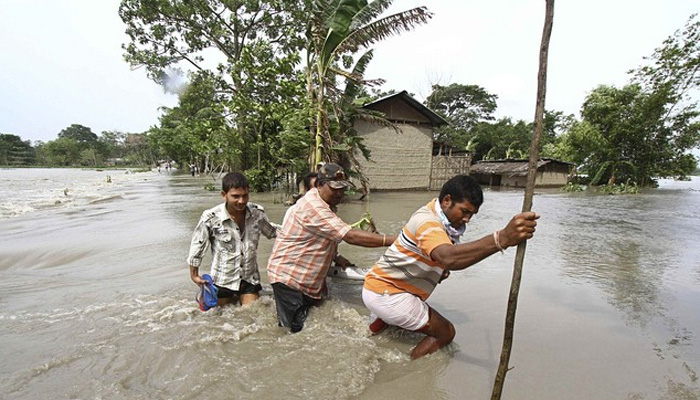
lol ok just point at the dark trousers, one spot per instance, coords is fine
(292, 306)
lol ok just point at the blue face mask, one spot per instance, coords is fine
(452, 232)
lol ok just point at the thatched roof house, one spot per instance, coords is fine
(513, 173)
(403, 160)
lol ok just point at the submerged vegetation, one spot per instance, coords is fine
(621, 188)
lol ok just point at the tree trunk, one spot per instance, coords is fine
(527, 204)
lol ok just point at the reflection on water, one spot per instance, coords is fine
(96, 302)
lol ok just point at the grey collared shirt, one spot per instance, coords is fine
(234, 255)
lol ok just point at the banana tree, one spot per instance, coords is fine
(614, 170)
(340, 28)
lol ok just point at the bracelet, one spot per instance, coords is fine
(383, 240)
(496, 237)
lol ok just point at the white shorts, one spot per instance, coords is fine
(404, 310)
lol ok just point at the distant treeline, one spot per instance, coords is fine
(77, 146)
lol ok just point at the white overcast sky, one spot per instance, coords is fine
(62, 59)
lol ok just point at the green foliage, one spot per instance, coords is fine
(294, 142)
(228, 116)
(615, 170)
(62, 152)
(501, 139)
(572, 187)
(79, 133)
(338, 29)
(260, 180)
(463, 106)
(622, 188)
(645, 129)
(167, 33)
(629, 127)
(15, 152)
(366, 223)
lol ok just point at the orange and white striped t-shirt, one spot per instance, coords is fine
(406, 265)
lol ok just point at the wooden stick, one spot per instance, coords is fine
(527, 204)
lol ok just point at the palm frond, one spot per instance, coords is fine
(345, 74)
(324, 9)
(338, 24)
(381, 29)
(352, 86)
(370, 12)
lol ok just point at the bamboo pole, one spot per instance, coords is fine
(527, 204)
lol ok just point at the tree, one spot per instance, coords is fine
(633, 130)
(62, 152)
(672, 79)
(113, 142)
(346, 111)
(168, 33)
(197, 128)
(500, 139)
(14, 151)
(674, 67)
(339, 28)
(79, 133)
(581, 144)
(247, 52)
(463, 106)
(139, 150)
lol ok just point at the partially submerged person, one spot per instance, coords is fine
(307, 244)
(309, 182)
(397, 287)
(232, 231)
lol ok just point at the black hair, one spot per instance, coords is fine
(463, 187)
(307, 180)
(234, 180)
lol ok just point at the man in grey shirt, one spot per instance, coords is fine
(232, 230)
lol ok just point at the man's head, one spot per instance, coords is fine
(310, 181)
(331, 183)
(333, 175)
(460, 198)
(234, 190)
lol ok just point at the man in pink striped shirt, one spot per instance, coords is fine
(306, 245)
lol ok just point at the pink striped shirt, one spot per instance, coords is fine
(306, 245)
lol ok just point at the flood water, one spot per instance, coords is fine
(96, 301)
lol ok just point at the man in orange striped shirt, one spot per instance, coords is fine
(306, 245)
(398, 285)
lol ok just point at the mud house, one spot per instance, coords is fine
(513, 173)
(404, 160)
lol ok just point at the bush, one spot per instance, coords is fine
(622, 188)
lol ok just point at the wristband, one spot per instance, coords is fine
(496, 237)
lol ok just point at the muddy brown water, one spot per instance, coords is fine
(96, 301)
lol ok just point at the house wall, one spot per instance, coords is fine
(398, 160)
(551, 178)
(553, 174)
(542, 179)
